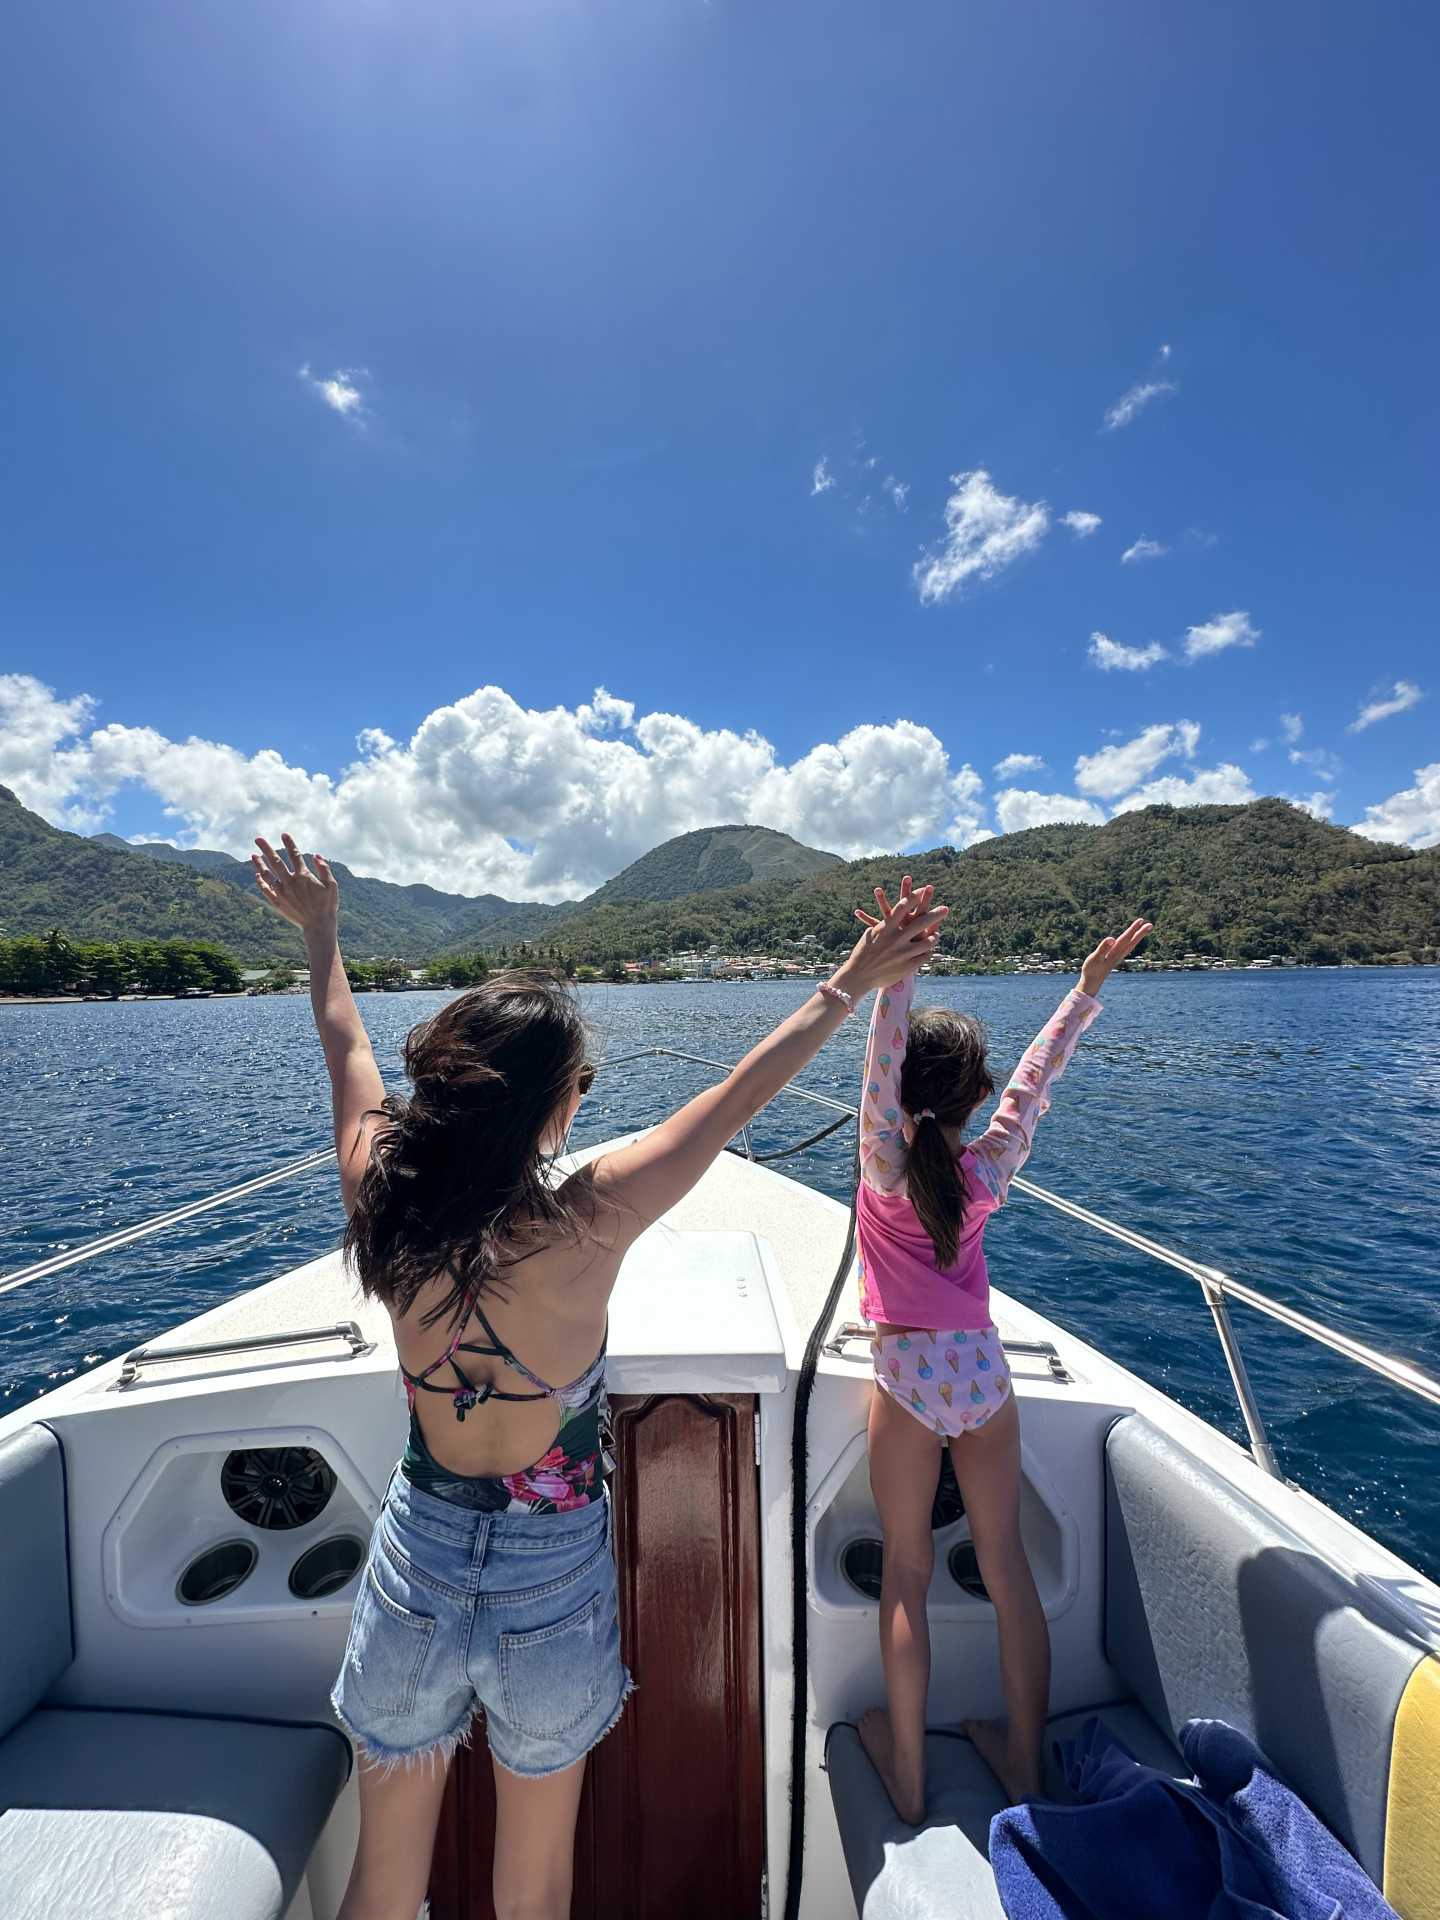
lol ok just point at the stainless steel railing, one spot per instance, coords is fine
(1218, 1288)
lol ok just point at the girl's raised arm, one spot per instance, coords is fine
(311, 902)
(1005, 1145)
(882, 1133)
(645, 1180)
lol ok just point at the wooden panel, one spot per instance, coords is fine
(672, 1818)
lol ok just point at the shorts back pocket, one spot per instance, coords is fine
(550, 1676)
(387, 1650)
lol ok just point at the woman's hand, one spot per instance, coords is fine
(1109, 954)
(901, 939)
(310, 901)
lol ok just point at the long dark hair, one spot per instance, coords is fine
(456, 1174)
(943, 1070)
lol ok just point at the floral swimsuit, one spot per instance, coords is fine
(570, 1475)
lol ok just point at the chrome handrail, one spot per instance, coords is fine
(1216, 1286)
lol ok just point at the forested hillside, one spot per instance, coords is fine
(1240, 882)
(711, 858)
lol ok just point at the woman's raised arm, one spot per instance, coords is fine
(311, 902)
(645, 1180)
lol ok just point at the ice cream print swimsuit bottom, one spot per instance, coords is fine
(951, 1381)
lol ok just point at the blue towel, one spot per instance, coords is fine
(1233, 1844)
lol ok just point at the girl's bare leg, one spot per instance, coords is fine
(399, 1810)
(987, 1468)
(535, 1843)
(904, 1469)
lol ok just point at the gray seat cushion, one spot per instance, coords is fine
(34, 1572)
(138, 1815)
(941, 1870)
(1216, 1610)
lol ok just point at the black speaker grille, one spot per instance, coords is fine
(275, 1488)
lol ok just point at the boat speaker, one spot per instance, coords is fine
(276, 1488)
(965, 1569)
(862, 1564)
(949, 1503)
(327, 1566)
(216, 1572)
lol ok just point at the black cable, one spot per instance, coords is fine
(782, 1153)
(800, 1619)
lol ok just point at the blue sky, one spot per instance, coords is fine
(380, 380)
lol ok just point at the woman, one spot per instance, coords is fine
(490, 1583)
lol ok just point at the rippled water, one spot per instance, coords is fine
(1285, 1127)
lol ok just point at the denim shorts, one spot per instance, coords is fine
(461, 1612)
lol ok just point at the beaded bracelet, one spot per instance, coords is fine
(838, 995)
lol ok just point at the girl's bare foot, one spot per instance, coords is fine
(878, 1742)
(991, 1739)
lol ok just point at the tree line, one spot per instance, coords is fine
(105, 969)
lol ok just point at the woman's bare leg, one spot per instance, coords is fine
(535, 1843)
(904, 1469)
(987, 1468)
(399, 1811)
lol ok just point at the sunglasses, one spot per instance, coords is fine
(585, 1079)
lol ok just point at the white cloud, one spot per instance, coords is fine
(1017, 808)
(821, 478)
(1113, 770)
(1136, 399)
(1216, 634)
(1320, 806)
(1320, 761)
(1017, 763)
(1261, 745)
(1225, 785)
(34, 763)
(1405, 696)
(984, 532)
(967, 809)
(488, 795)
(1291, 728)
(1165, 353)
(898, 490)
(1080, 523)
(1110, 656)
(1142, 550)
(338, 390)
(1410, 818)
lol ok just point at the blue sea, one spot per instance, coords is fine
(1284, 1127)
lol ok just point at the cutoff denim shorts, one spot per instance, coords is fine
(461, 1612)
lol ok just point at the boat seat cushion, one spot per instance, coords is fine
(1214, 1609)
(941, 1870)
(34, 1572)
(133, 1815)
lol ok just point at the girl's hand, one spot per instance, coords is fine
(901, 939)
(1109, 953)
(310, 901)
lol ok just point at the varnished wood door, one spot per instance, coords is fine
(672, 1819)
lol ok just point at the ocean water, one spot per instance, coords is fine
(1284, 1127)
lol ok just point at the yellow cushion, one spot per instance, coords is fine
(1412, 1811)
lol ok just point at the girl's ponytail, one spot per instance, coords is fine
(942, 1080)
(932, 1181)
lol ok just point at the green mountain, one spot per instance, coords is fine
(710, 858)
(1241, 882)
(96, 892)
(377, 916)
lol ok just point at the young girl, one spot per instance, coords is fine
(940, 1373)
(490, 1584)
